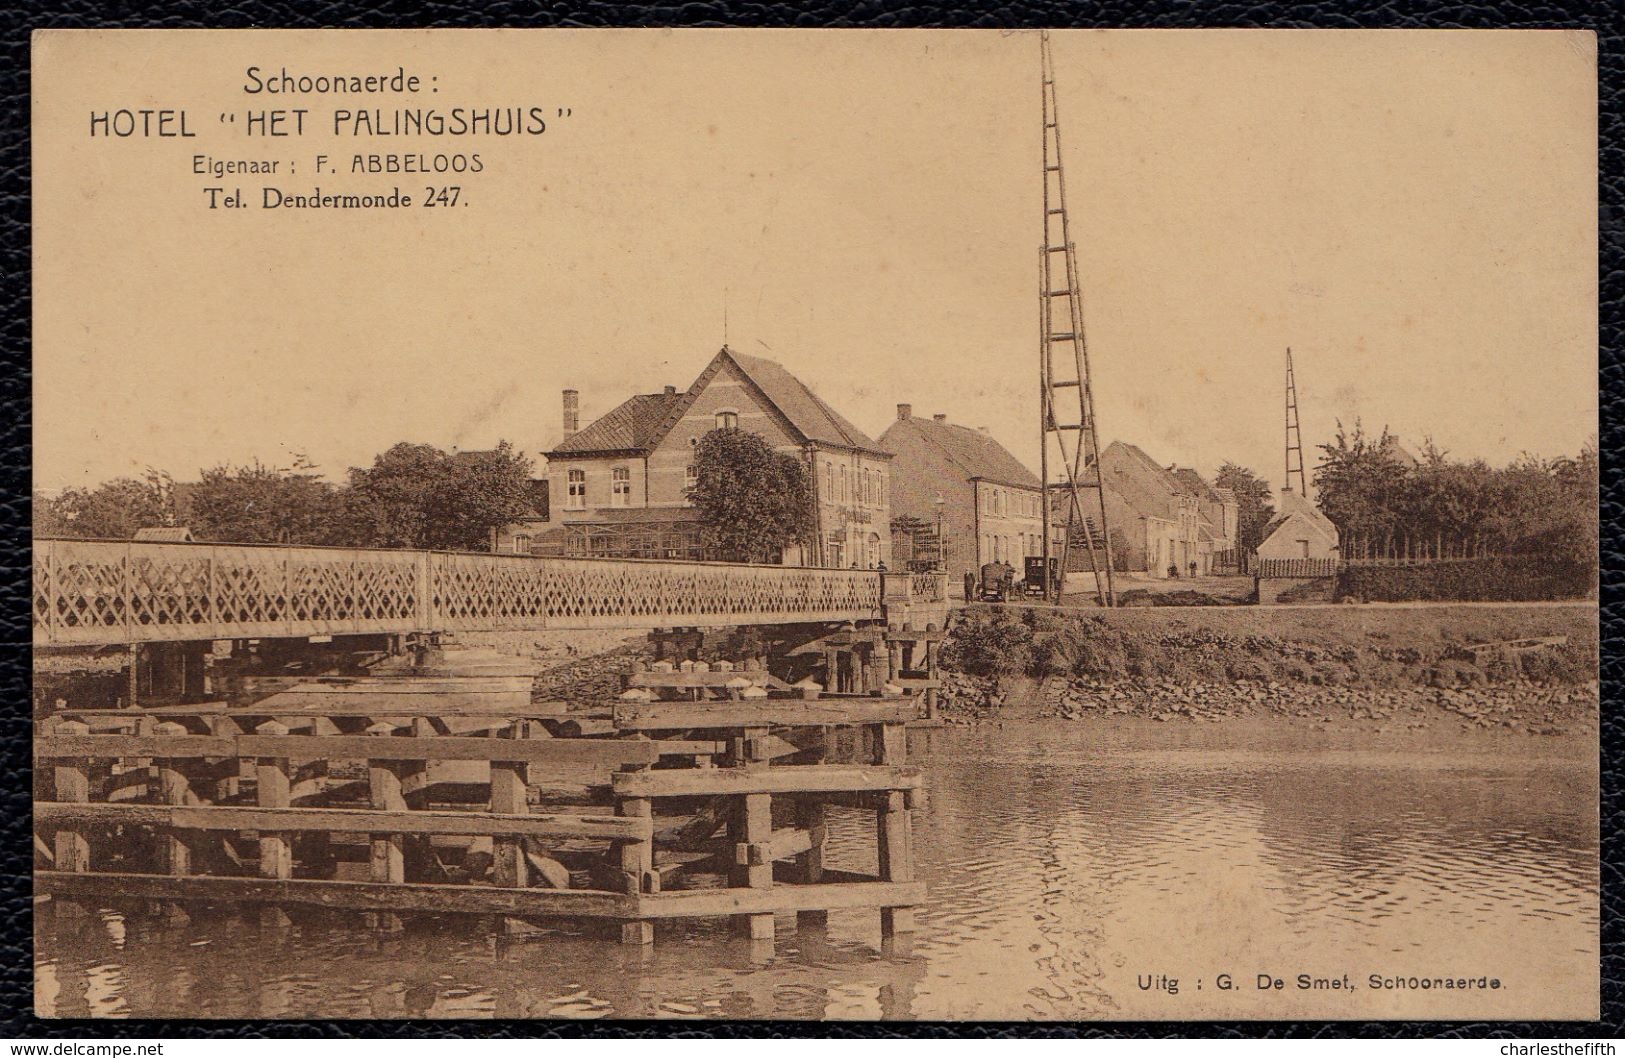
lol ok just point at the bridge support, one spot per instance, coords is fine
(170, 672)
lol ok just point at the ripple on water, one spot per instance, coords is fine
(1057, 872)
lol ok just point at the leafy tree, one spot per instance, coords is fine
(266, 505)
(415, 495)
(1443, 508)
(1361, 484)
(1254, 503)
(112, 511)
(752, 500)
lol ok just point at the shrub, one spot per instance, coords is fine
(996, 644)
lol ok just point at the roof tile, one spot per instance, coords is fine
(976, 454)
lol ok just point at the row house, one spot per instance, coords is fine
(987, 504)
(1156, 515)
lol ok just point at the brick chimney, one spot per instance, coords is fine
(939, 417)
(671, 391)
(572, 413)
(905, 411)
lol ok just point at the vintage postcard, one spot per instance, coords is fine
(815, 525)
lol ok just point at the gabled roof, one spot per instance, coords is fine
(1296, 506)
(974, 453)
(1194, 486)
(806, 411)
(631, 426)
(1140, 481)
(640, 423)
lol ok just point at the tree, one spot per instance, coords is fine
(415, 495)
(1362, 487)
(266, 505)
(112, 511)
(1254, 504)
(752, 500)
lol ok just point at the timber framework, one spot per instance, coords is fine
(249, 766)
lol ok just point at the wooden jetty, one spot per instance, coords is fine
(249, 766)
(688, 810)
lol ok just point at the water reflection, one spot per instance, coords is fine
(1064, 869)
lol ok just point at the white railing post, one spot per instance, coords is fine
(425, 590)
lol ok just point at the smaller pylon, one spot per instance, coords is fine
(1294, 437)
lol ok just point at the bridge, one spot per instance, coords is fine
(104, 593)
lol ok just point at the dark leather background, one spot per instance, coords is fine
(16, 974)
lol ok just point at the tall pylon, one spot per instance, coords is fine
(1294, 437)
(1072, 442)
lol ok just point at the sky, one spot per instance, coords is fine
(1413, 213)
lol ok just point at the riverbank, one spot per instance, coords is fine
(1370, 668)
(1514, 708)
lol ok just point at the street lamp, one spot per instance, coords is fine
(942, 557)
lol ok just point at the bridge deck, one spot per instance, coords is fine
(88, 592)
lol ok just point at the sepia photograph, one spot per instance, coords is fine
(815, 525)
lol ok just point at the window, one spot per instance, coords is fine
(727, 420)
(576, 491)
(620, 490)
(829, 483)
(691, 478)
(843, 485)
(521, 544)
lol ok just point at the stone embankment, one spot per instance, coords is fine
(1365, 668)
(1521, 707)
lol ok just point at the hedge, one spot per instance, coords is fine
(1509, 579)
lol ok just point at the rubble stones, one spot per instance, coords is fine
(1519, 706)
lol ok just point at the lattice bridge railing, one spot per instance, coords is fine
(88, 592)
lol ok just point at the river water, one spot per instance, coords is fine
(1074, 873)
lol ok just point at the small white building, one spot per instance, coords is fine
(1298, 530)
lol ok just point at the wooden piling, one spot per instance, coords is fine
(509, 867)
(894, 832)
(174, 846)
(932, 673)
(229, 786)
(637, 860)
(388, 850)
(71, 782)
(273, 776)
(811, 816)
(753, 827)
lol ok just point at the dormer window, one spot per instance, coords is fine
(727, 420)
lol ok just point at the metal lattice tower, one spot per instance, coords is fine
(1069, 435)
(1294, 438)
